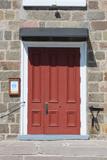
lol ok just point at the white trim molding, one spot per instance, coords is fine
(83, 83)
(76, 3)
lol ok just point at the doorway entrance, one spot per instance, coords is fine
(53, 90)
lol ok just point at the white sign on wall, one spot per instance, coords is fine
(75, 3)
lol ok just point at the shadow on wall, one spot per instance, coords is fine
(91, 60)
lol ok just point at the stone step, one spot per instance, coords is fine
(12, 157)
(55, 150)
(65, 158)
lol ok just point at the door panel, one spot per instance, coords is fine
(53, 118)
(63, 92)
(35, 91)
(54, 82)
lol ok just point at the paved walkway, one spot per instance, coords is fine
(55, 150)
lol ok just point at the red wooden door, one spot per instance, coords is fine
(54, 91)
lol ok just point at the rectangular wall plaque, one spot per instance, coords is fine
(14, 86)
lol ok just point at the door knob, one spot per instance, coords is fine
(46, 108)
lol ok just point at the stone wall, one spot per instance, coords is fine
(13, 16)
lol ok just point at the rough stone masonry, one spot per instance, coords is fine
(13, 16)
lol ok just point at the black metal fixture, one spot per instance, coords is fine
(95, 113)
(57, 14)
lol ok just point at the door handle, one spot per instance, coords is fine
(46, 108)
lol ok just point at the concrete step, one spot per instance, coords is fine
(55, 150)
(12, 157)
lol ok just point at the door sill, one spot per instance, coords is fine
(31, 137)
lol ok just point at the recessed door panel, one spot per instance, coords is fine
(36, 80)
(53, 118)
(53, 78)
(36, 118)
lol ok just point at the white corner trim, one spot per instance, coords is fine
(24, 80)
(81, 3)
(83, 89)
(24, 89)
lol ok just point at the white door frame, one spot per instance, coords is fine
(24, 80)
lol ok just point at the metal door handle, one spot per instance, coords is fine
(46, 108)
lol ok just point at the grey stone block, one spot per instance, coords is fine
(12, 106)
(7, 98)
(75, 24)
(4, 86)
(8, 35)
(14, 25)
(53, 24)
(95, 76)
(100, 55)
(11, 119)
(93, 87)
(2, 137)
(3, 25)
(4, 128)
(17, 118)
(16, 35)
(78, 16)
(1, 35)
(13, 55)
(93, 4)
(96, 97)
(2, 53)
(16, 4)
(3, 45)
(14, 128)
(47, 15)
(9, 66)
(96, 36)
(15, 45)
(4, 4)
(3, 107)
(95, 15)
(9, 15)
(5, 75)
(99, 25)
(11, 137)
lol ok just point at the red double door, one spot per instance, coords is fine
(54, 91)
